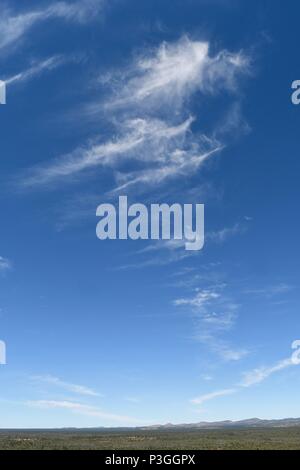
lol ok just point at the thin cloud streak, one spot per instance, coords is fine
(252, 378)
(161, 139)
(70, 387)
(214, 314)
(173, 72)
(138, 139)
(5, 264)
(83, 409)
(14, 26)
(210, 396)
(37, 69)
(260, 374)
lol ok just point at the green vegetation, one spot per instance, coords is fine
(253, 439)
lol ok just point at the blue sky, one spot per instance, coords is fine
(122, 97)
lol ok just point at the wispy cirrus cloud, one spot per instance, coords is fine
(83, 409)
(270, 291)
(15, 25)
(200, 299)
(5, 264)
(173, 249)
(183, 162)
(70, 387)
(253, 377)
(36, 69)
(260, 374)
(212, 307)
(222, 235)
(150, 125)
(223, 348)
(216, 236)
(211, 396)
(173, 72)
(147, 141)
(214, 314)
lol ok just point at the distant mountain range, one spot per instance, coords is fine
(247, 423)
(244, 424)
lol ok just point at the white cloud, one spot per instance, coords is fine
(80, 10)
(270, 291)
(206, 377)
(172, 246)
(134, 400)
(5, 264)
(228, 353)
(172, 257)
(181, 162)
(201, 298)
(164, 151)
(140, 139)
(13, 26)
(82, 409)
(254, 377)
(173, 72)
(210, 396)
(70, 387)
(214, 314)
(151, 126)
(210, 335)
(36, 69)
(260, 374)
(213, 309)
(220, 236)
